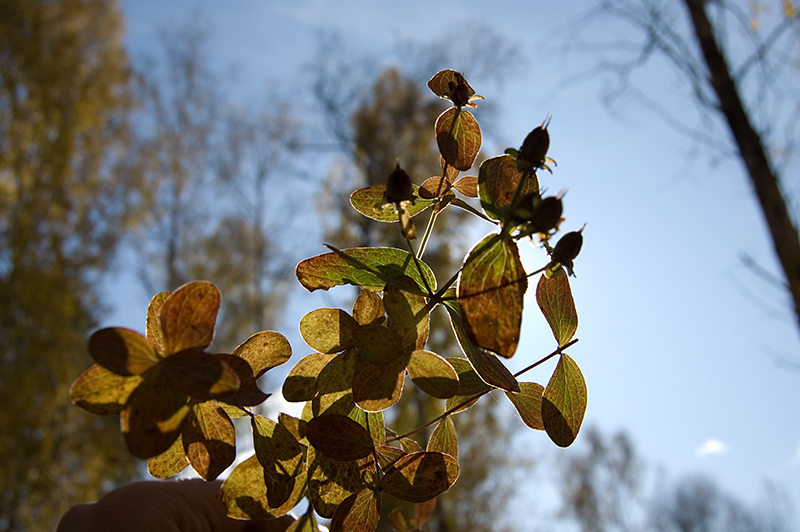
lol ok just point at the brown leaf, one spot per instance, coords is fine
(102, 392)
(188, 316)
(434, 187)
(555, 299)
(200, 375)
(498, 180)
(458, 136)
(377, 388)
(419, 477)
(122, 351)
(444, 438)
(468, 186)
(423, 512)
(209, 440)
(153, 416)
(339, 437)
(358, 513)
(263, 351)
(378, 345)
(564, 402)
(491, 290)
(333, 391)
(331, 482)
(246, 497)
(404, 310)
(248, 393)
(153, 322)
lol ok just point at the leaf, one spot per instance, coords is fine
(200, 375)
(491, 290)
(245, 496)
(458, 136)
(277, 449)
(331, 482)
(209, 440)
(368, 268)
(368, 308)
(423, 512)
(564, 402)
(333, 392)
(528, 402)
(397, 520)
(376, 426)
(122, 351)
(248, 393)
(444, 438)
(498, 179)
(170, 462)
(467, 185)
(305, 523)
(102, 392)
(452, 85)
(433, 374)
(405, 312)
(378, 345)
(153, 417)
(435, 187)
(300, 383)
(388, 455)
(485, 363)
(469, 383)
(370, 202)
(555, 299)
(339, 438)
(328, 330)
(188, 316)
(419, 477)
(358, 513)
(378, 387)
(153, 322)
(263, 351)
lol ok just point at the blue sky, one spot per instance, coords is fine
(675, 342)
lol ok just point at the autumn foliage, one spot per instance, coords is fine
(176, 400)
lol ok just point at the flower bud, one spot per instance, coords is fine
(534, 149)
(546, 214)
(398, 187)
(567, 249)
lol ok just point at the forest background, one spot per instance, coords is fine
(245, 120)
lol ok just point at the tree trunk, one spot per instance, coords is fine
(751, 149)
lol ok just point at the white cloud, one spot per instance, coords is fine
(710, 447)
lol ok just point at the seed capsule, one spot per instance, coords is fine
(546, 214)
(534, 149)
(567, 249)
(398, 187)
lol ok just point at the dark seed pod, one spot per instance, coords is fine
(547, 214)
(568, 248)
(398, 187)
(535, 147)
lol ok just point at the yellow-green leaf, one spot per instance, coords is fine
(433, 374)
(153, 322)
(170, 462)
(300, 383)
(277, 449)
(245, 496)
(419, 477)
(209, 439)
(122, 351)
(444, 438)
(368, 308)
(370, 202)
(528, 402)
(102, 392)
(564, 402)
(188, 316)
(554, 297)
(403, 309)
(328, 330)
(498, 180)
(263, 351)
(378, 387)
(358, 513)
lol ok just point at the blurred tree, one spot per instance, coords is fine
(603, 489)
(740, 67)
(65, 199)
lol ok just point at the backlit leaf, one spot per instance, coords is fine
(419, 477)
(388, 455)
(564, 402)
(497, 183)
(467, 185)
(170, 462)
(263, 351)
(200, 375)
(188, 316)
(433, 374)
(485, 363)
(452, 85)
(378, 387)
(358, 513)
(370, 202)
(248, 393)
(328, 330)
(331, 482)
(555, 299)
(296, 426)
(444, 438)
(339, 437)
(469, 383)
(333, 390)
(305, 523)
(404, 310)
(528, 402)
(491, 290)
(153, 417)
(102, 392)
(397, 520)
(122, 351)
(277, 450)
(209, 439)
(435, 187)
(458, 136)
(245, 496)
(154, 332)
(368, 308)
(378, 345)
(300, 383)
(369, 268)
